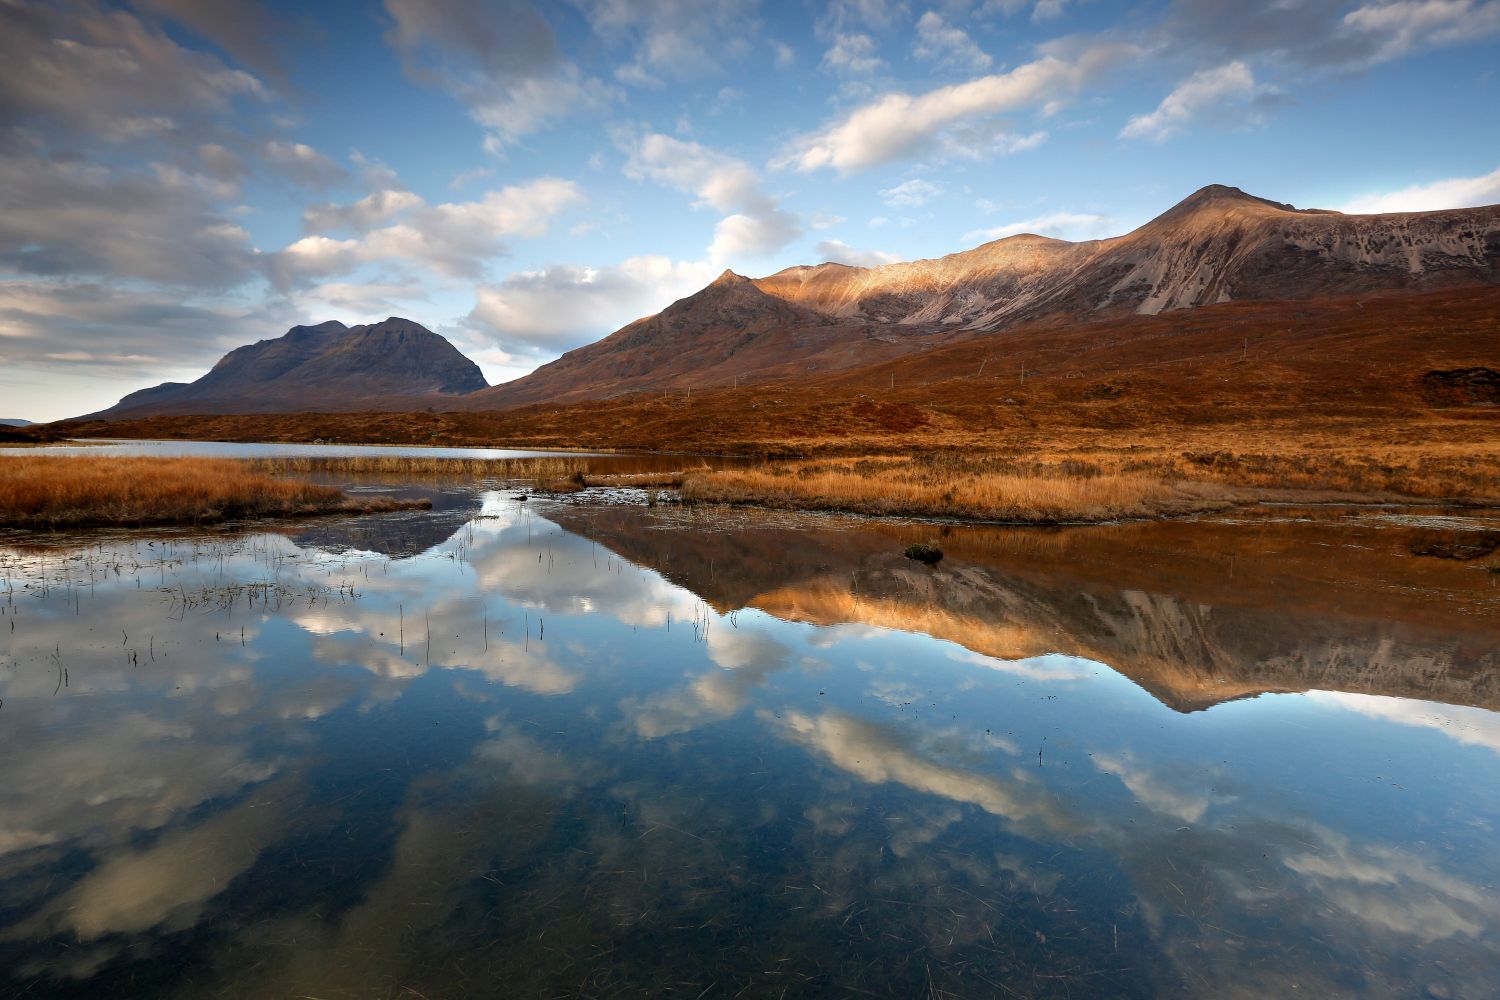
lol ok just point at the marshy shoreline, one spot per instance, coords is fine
(1061, 484)
(53, 492)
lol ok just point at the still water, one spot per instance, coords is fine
(552, 749)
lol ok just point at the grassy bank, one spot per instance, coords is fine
(49, 491)
(1048, 485)
(985, 488)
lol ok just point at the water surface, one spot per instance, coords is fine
(517, 749)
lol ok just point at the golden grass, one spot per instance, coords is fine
(53, 491)
(986, 488)
(1072, 478)
(423, 465)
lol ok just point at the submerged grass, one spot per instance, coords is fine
(53, 491)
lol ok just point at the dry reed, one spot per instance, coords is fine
(992, 490)
(424, 465)
(51, 491)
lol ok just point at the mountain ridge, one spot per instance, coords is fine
(1216, 246)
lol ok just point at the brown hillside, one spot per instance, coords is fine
(1240, 368)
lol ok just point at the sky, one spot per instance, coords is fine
(180, 177)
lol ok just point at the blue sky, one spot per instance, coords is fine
(178, 177)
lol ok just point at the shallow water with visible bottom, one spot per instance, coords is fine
(551, 749)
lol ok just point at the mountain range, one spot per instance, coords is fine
(1219, 245)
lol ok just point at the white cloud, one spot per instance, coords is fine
(1397, 27)
(940, 42)
(899, 125)
(842, 253)
(501, 59)
(755, 226)
(873, 754)
(1210, 91)
(863, 15)
(1459, 723)
(911, 194)
(1455, 192)
(853, 55)
(566, 305)
(371, 210)
(454, 238)
(1059, 225)
(673, 38)
(978, 140)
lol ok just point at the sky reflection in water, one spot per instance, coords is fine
(520, 763)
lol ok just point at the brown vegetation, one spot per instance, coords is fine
(1334, 397)
(1099, 484)
(421, 465)
(984, 488)
(50, 491)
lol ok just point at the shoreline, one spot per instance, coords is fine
(49, 493)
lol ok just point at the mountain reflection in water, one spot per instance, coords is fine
(561, 750)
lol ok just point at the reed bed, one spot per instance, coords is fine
(987, 489)
(422, 465)
(54, 491)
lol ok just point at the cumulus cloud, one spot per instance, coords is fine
(1059, 225)
(1219, 92)
(369, 211)
(840, 252)
(1454, 192)
(755, 226)
(566, 305)
(501, 59)
(454, 238)
(899, 125)
(942, 43)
